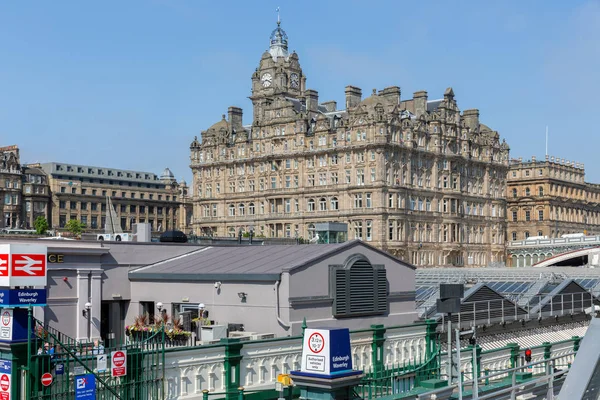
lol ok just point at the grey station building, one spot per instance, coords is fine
(263, 289)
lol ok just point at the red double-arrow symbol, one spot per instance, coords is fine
(3, 264)
(28, 265)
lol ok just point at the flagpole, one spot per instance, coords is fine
(546, 140)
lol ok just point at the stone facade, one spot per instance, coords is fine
(418, 177)
(24, 192)
(79, 192)
(550, 198)
(10, 187)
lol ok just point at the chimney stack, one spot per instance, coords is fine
(392, 94)
(330, 106)
(471, 118)
(353, 96)
(420, 102)
(235, 117)
(312, 100)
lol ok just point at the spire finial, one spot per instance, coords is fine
(278, 19)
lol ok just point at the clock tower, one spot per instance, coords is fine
(278, 74)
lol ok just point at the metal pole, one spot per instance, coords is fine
(458, 363)
(475, 369)
(514, 385)
(550, 375)
(449, 366)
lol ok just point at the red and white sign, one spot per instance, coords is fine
(316, 342)
(3, 264)
(6, 324)
(4, 387)
(23, 265)
(28, 265)
(118, 362)
(47, 379)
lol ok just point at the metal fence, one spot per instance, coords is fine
(68, 362)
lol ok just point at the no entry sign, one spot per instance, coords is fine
(118, 361)
(4, 387)
(47, 379)
(5, 371)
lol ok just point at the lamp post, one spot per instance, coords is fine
(86, 313)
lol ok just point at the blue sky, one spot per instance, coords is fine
(127, 84)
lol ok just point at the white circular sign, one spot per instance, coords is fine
(316, 342)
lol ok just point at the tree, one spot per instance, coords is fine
(74, 226)
(41, 225)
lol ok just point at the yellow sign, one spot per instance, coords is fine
(56, 258)
(284, 379)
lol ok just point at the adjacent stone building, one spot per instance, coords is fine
(550, 198)
(10, 186)
(23, 191)
(80, 191)
(417, 178)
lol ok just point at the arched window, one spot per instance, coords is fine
(251, 209)
(527, 192)
(241, 209)
(322, 204)
(334, 203)
(231, 210)
(311, 205)
(311, 231)
(359, 288)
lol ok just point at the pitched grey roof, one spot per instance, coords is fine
(240, 262)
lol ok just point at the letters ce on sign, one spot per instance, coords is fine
(23, 265)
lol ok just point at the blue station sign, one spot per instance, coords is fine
(16, 298)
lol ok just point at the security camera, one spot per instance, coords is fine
(217, 285)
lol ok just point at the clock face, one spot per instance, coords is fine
(266, 79)
(295, 81)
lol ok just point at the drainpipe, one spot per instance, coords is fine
(281, 322)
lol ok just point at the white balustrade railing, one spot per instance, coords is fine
(191, 370)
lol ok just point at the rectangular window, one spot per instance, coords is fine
(358, 200)
(323, 178)
(514, 216)
(334, 178)
(369, 232)
(527, 215)
(368, 200)
(273, 182)
(288, 205)
(360, 176)
(540, 215)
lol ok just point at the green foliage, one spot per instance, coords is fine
(75, 226)
(41, 225)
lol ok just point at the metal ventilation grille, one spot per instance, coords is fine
(360, 290)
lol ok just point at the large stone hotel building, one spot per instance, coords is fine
(551, 198)
(418, 177)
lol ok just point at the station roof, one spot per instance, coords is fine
(525, 288)
(243, 262)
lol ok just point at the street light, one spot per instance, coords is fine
(86, 314)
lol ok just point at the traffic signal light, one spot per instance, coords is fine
(528, 355)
